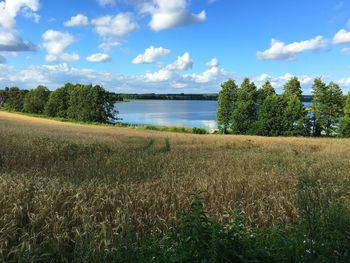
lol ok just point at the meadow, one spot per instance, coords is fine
(86, 193)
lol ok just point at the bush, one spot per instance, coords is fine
(196, 130)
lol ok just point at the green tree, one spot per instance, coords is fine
(15, 99)
(3, 97)
(245, 112)
(271, 119)
(319, 90)
(327, 106)
(35, 100)
(90, 104)
(58, 103)
(293, 87)
(265, 91)
(226, 103)
(344, 124)
(296, 119)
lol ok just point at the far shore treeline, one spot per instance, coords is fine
(251, 111)
(241, 110)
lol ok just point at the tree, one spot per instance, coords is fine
(296, 119)
(319, 90)
(327, 106)
(265, 91)
(90, 104)
(15, 99)
(35, 100)
(344, 124)
(244, 116)
(226, 103)
(292, 87)
(3, 97)
(271, 120)
(58, 103)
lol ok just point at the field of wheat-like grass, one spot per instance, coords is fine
(64, 186)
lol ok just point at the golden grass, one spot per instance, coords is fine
(58, 178)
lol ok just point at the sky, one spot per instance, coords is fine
(173, 46)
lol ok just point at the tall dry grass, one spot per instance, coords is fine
(65, 187)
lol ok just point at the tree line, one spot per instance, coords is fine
(86, 103)
(248, 110)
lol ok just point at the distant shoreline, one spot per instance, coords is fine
(179, 96)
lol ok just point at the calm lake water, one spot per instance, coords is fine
(191, 113)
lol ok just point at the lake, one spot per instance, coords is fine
(191, 113)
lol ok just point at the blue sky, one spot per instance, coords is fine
(173, 45)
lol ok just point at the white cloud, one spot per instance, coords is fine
(212, 63)
(55, 42)
(114, 26)
(10, 41)
(207, 76)
(211, 74)
(282, 51)
(344, 82)
(182, 63)
(9, 37)
(160, 75)
(167, 14)
(279, 81)
(341, 37)
(150, 55)
(78, 20)
(9, 9)
(98, 57)
(106, 2)
(70, 57)
(108, 46)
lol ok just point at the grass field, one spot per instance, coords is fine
(72, 191)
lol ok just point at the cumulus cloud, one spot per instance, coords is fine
(98, 57)
(207, 76)
(78, 20)
(114, 26)
(182, 63)
(10, 41)
(282, 51)
(212, 63)
(341, 37)
(160, 75)
(212, 73)
(167, 14)
(106, 2)
(150, 55)
(344, 82)
(9, 9)
(279, 81)
(55, 43)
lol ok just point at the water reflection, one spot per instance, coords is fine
(169, 113)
